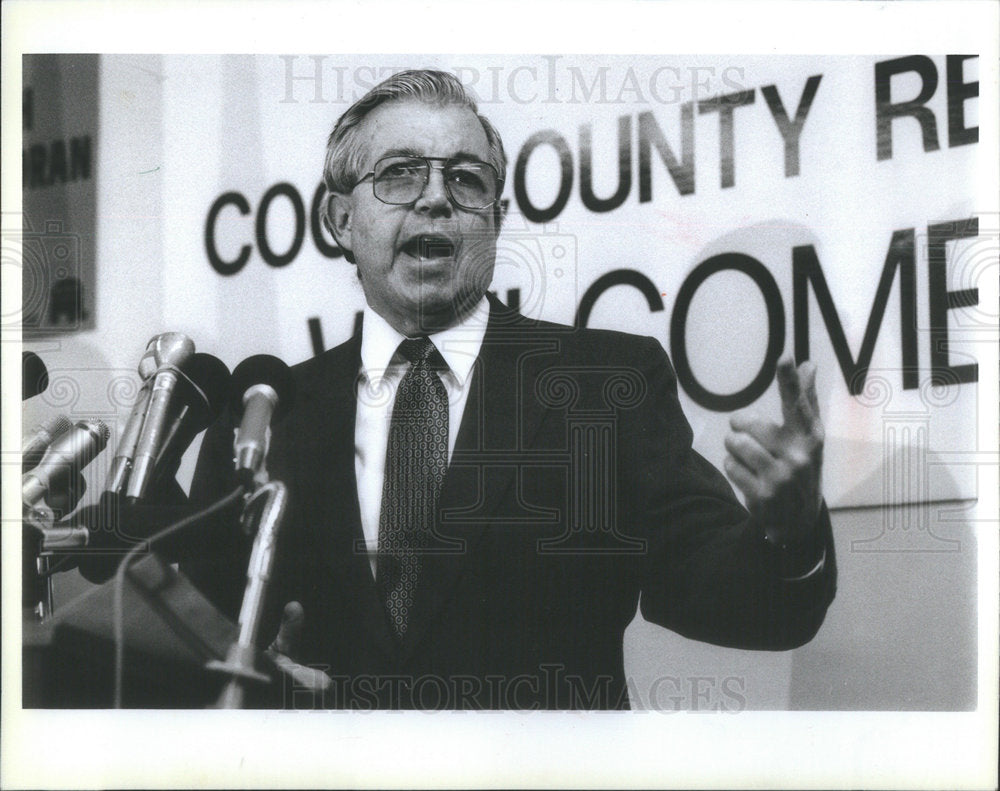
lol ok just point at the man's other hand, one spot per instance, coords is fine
(284, 650)
(777, 467)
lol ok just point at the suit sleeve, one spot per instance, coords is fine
(708, 574)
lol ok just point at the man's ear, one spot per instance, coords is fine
(338, 210)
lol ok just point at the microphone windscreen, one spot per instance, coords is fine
(262, 369)
(210, 379)
(34, 375)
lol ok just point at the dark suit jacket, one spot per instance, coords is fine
(573, 493)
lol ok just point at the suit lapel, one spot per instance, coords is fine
(500, 419)
(330, 506)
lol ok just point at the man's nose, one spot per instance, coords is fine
(434, 199)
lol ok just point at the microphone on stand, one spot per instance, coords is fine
(262, 392)
(201, 394)
(43, 435)
(53, 485)
(169, 351)
(34, 376)
(240, 663)
(62, 461)
(102, 532)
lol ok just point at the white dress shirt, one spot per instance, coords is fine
(380, 375)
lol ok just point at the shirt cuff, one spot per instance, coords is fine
(796, 562)
(814, 570)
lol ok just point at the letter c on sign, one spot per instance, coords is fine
(270, 257)
(757, 272)
(218, 264)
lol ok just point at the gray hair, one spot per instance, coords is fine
(344, 151)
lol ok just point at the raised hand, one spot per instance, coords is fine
(777, 467)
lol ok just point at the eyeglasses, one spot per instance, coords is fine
(399, 180)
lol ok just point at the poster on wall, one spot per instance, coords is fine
(59, 126)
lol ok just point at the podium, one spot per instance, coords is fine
(172, 634)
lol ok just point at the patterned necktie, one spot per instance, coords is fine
(415, 462)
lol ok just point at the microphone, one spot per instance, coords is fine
(100, 534)
(262, 391)
(43, 435)
(157, 353)
(201, 394)
(34, 375)
(169, 351)
(240, 658)
(121, 464)
(63, 460)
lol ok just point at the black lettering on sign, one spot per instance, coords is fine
(725, 106)
(45, 164)
(554, 139)
(269, 256)
(316, 335)
(219, 264)
(886, 112)
(513, 300)
(791, 130)
(682, 172)
(590, 200)
(757, 272)
(806, 270)
(617, 277)
(958, 92)
(57, 163)
(942, 300)
(79, 158)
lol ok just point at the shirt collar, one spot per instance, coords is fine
(458, 345)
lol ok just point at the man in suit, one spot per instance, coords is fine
(480, 501)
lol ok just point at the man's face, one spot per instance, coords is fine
(423, 265)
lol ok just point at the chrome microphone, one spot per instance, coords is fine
(62, 462)
(168, 352)
(43, 435)
(162, 350)
(262, 391)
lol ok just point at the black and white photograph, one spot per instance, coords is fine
(413, 397)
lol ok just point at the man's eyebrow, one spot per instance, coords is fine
(461, 156)
(400, 152)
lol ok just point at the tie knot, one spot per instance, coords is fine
(417, 350)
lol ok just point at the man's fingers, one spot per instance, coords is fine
(744, 480)
(285, 646)
(292, 619)
(807, 375)
(305, 677)
(790, 389)
(749, 452)
(766, 432)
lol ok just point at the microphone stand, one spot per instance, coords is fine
(37, 579)
(265, 520)
(43, 540)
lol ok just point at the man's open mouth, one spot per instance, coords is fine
(429, 247)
